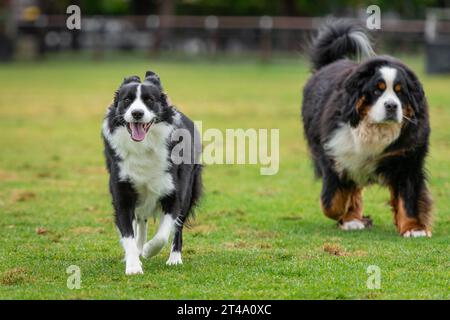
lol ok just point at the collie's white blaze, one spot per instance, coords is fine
(138, 105)
(352, 225)
(377, 113)
(161, 237)
(132, 262)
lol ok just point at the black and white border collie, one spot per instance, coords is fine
(139, 135)
(366, 123)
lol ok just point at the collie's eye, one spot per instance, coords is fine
(127, 100)
(398, 88)
(148, 100)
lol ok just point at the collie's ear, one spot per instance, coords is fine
(130, 79)
(165, 99)
(153, 78)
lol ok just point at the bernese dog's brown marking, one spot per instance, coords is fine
(366, 123)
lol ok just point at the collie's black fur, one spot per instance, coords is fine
(366, 123)
(140, 133)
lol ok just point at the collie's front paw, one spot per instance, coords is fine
(174, 258)
(417, 233)
(153, 247)
(133, 267)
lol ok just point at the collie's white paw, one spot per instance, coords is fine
(416, 233)
(354, 224)
(133, 266)
(174, 258)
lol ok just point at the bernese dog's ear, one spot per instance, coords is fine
(353, 87)
(350, 113)
(415, 93)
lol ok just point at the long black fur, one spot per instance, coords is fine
(329, 99)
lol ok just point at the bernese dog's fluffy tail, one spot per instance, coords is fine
(337, 40)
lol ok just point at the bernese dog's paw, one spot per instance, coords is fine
(416, 233)
(174, 259)
(133, 267)
(354, 224)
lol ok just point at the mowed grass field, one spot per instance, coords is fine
(254, 236)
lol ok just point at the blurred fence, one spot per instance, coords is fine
(200, 35)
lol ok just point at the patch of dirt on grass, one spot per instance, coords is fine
(93, 170)
(51, 235)
(241, 244)
(198, 229)
(236, 245)
(105, 220)
(14, 276)
(7, 176)
(22, 196)
(41, 230)
(87, 230)
(46, 175)
(334, 249)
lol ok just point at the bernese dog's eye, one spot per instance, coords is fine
(381, 86)
(397, 87)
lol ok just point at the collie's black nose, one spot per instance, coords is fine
(137, 114)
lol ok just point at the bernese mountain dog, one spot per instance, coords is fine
(366, 123)
(140, 132)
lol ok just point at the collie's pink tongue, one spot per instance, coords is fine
(137, 131)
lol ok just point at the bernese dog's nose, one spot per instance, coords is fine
(391, 107)
(137, 114)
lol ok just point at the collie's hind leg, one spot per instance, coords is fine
(161, 237)
(175, 252)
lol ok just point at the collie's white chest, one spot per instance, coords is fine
(145, 164)
(357, 151)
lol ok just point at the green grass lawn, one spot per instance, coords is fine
(254, 236)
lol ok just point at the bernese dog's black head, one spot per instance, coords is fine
(138, 105)
(382, 91)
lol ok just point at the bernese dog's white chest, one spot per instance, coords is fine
(357, 151)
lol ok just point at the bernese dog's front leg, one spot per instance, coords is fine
(343, 202)
(411, 203)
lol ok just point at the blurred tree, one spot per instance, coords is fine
(407, 9)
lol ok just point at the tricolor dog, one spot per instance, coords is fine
(366, 123)
(140, 133)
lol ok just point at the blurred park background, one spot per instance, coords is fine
(35, 29)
